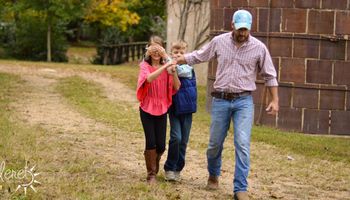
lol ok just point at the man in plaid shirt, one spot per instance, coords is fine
(240, 57)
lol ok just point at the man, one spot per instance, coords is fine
(240, 57)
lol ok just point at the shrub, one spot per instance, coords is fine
(30, 40)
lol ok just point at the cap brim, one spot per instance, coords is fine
(242, 25)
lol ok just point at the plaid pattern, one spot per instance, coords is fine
(237, 67)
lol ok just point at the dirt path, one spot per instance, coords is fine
(273, 176)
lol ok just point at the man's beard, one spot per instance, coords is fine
(241, 38)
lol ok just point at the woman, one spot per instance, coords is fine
(155, 88)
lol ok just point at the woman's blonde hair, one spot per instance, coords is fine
(154, 39)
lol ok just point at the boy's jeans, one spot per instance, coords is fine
(180, 127)
(241, 111)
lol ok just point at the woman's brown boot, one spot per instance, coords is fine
(159, 156)
(151, 165)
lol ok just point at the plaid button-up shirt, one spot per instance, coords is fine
(237, 67)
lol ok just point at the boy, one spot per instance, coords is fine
(180, 115)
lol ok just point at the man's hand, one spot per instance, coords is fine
(181, 59)
(272, 108)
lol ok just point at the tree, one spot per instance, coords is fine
(54, 12)
(152, 19)
(194, 12)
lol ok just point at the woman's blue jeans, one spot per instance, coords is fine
(180, 127)
(241, 112)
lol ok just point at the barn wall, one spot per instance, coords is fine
(309, 44)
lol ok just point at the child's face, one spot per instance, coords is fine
(176, 53)
(155, 51)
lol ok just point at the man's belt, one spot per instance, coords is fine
(230, 96)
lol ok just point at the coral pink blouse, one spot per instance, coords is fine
(155, 97)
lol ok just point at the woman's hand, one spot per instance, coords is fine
(161, 51)
(171, 69)
(156, 49)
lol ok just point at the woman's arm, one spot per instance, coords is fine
(176, 81)
(152, 76)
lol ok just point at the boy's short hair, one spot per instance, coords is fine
(180, 44)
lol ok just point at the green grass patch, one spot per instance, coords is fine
(88, 97)
(17, 142)
(323, 147)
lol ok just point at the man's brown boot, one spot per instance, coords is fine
(241, 196)
(213, 183)
(151, 159)
(159, 156)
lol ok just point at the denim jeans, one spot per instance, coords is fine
(241, 111)
(180, 127)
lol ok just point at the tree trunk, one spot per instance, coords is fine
(49, 41)
(183, 19)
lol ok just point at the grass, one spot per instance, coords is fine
(127, 73)
(88, 98)
(64, 173)
(81, 55)
(322, 147)
(18, 143)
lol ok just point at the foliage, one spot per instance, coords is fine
(111, 13)
(152, 22)
(35, 24)
(30, 39)
(60, 10)
(33, 21)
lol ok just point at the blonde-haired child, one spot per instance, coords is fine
(180, 115)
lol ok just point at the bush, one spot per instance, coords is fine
(30, 41)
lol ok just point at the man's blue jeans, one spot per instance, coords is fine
(241, 111)
(180, 127)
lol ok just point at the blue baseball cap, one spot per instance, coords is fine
(242, 19)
